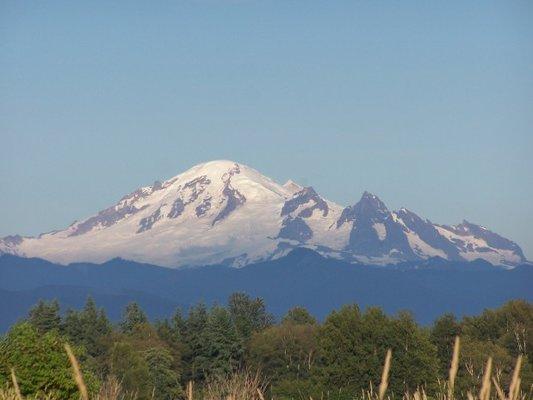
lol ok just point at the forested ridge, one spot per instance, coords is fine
(427, 290)
(296, 357)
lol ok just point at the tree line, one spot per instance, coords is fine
(297, 356)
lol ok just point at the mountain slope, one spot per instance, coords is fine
(222, 212)
(426, 288)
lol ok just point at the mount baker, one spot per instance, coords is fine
(223, 212)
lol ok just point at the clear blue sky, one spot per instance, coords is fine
(427, 104)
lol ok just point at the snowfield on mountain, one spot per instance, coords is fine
(223, 212)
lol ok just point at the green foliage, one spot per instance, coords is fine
(194, 338)
(144, 363)
(353, 347)
(503, 333)
(507, 326)
(173, 338)
(40, 362)
(415, 357)
(133, 317)
(87, 328)
(45, 316)
(298, 315)
(443, 334)
(287, 355)
(249, 315)
(223, 345)
(214, 342)
(163, 379)
(299, 357)
(130, 367)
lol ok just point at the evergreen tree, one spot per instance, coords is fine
(249, 315)
(179, 325)
(164, 330)
(195, 342)
(223, 345)
(163, 379)
(88, 327)
(174, 341)
(133, 317)
(172, 330)
(45, 316)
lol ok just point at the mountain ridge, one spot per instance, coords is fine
(428, 288)
(223, 212)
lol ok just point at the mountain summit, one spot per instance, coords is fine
(226, 212)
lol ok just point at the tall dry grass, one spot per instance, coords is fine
(454, 367)
(385, 376)
(76, 372)
(16, 388)
(251, 386)
(238, 386)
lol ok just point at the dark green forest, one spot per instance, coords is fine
(296, 357)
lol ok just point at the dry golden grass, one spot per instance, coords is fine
(8, 394)
(16, 388)
(239, 386)
(189, 390)
(249, 386)
(385, 376)
(112, 389)
(514, 388)
(78, 377)
(454, 367)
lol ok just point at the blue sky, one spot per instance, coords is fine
(427, 104)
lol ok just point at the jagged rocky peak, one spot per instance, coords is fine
(368, 207)
(414, 222)
(466, 228)
(409, 217)
(223, 210)
(295, 229)
(305, 202)
(375, 231)
(493, 240)
(297, 209)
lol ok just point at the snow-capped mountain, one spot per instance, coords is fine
(226, 212)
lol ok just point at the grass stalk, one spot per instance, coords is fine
(78, 377)
(15, 384)
(484, 393)
(385, 376)
(454, 367)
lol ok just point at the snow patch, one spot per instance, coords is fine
(421, 248)
(381, 230)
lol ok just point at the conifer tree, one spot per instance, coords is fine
(133, 317)
(249, 315)
(45, 316)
